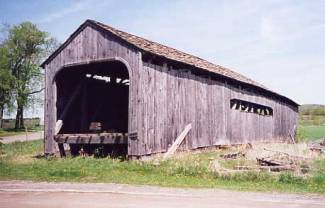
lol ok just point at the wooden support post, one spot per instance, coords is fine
(61, 149)
(177, 142)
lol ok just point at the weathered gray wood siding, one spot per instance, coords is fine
(173, 98)
(163, 100)
(91, 45)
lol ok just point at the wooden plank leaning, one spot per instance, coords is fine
(177, 142)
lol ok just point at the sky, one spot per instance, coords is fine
(279, 43)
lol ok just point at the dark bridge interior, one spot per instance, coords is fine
(93, 99)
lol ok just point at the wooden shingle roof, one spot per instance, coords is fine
(176, 55)
(168, 53)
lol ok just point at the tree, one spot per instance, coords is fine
(26, 46)
(6, 82)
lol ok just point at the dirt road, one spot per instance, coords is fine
(22, 137)
(27, 194)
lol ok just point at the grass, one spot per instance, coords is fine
(311, 127)
(187, 170)
(311, 132)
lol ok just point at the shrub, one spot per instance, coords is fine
(289, 178)
(319, 178)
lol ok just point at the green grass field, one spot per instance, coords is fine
(311, 122)
(12, 132)
(311, 132)
(189, 170)
(311, 127)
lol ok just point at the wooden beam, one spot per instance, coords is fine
(102, 138)
(177, 142)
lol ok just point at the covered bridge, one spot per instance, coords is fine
(105, 86)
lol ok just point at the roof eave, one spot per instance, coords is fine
(89, 22)
(66, 42)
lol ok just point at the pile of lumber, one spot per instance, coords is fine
(281, 161)
(318, 146)
(276, 162)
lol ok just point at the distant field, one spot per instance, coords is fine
(311, 132)
(311, 122)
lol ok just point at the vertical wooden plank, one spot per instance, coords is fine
(145, 104)
(47, 137)
(224, 113)
(170, 134)
(163, 103)
(177, 95)
(191, 103)
(157, 144)
(182, 109)
(150, 108)
(139, 105)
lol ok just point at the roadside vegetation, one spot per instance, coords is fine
(18, 161)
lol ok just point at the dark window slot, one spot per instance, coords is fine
(249, 107)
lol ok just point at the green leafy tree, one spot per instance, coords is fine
(26, 46)
(6, 82)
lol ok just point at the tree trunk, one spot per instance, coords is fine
(22, 117)
(1, 116)
(19, 124)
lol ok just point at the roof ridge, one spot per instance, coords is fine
(168, 53)
(226, 71)
(113, 28)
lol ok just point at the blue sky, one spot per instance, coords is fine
(279, 43)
